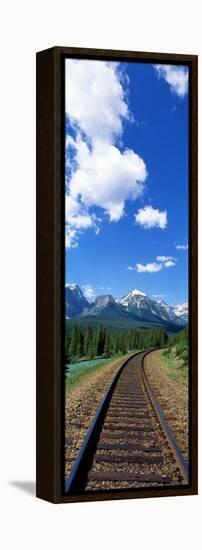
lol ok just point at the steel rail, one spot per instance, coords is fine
(182, 463)
(77, 477)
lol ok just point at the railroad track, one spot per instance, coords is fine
(129, 443)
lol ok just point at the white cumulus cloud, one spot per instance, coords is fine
(70, 237)
(176, 76)
(106, 178)
(75, 215)
(77, 219)
(149, 217)
(164, 258)
(151, 267)
(100, 174)
(169, 263)
(182, 246)
(95, 98)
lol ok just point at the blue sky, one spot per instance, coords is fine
(127, 179)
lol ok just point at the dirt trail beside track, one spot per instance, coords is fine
(172, 396)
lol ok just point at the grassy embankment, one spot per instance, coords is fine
(76, 377)
(175, 357)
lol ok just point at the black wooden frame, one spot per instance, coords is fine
(50, 271)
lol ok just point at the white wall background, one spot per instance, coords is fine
(172, 26)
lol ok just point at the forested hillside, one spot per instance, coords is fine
(81, 343)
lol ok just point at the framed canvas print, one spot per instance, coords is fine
(116, 274)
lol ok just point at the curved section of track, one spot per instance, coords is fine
(129, 444)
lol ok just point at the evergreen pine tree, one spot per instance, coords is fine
(88, 342)
(107, 344)
(80, 350)
(74, 341)
(123, 343)
(67, 345)
(100, 340)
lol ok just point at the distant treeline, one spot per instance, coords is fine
(88, 343)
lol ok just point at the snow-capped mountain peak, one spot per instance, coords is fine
(72, 286)
(132, 297)
(182, 311)
(180, 308)
(135, 303)
(76, 289)
(75, 301)
(139, 303)
(137, 292)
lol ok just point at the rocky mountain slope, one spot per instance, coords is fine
(135, 308)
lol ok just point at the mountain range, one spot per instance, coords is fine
(135, 309)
